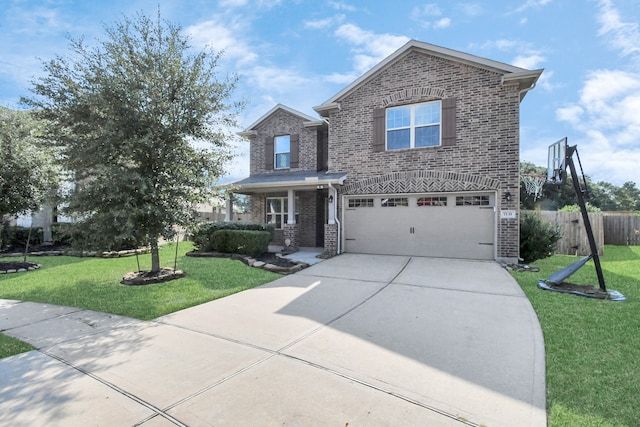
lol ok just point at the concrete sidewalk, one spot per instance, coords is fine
(354, 340)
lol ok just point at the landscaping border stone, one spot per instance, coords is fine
(88, 254)
(137, 278)
(26, 266)
(252, 262)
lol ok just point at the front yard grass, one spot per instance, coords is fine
(10, 346)
(592, 346)
(94, 283)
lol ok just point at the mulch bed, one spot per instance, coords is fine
(138, 278)
(272, 258)
(267, 261)
(586, 290)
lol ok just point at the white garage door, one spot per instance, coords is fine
(448, 226)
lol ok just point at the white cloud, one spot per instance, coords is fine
(470, 9)
(527, 56)
(221, 33)
(369, 47)
(605, 115)
(276, 80)
(429, 16)
(545, 81)
(572, 114)
(232, 3)
(604, 160)
(442, 23)
(623, 35)
(338, 5)
(501, 44)
(320, 24)
(341, 79)
(531, 4)
(430, 9)
(531, 61)
(261, 4)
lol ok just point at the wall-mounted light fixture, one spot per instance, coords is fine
(330, 199)
(507, 196)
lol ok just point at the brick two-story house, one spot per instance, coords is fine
(419, 156)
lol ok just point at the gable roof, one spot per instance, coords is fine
(309, 121)
(526, 78)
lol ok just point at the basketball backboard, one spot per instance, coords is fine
(557, 162)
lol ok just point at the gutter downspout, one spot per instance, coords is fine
(335, 216)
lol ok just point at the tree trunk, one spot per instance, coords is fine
(155, 256)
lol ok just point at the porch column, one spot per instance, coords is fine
(291, 207)
(229, 213)
(291, 238)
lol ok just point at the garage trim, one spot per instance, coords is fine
(419, 244)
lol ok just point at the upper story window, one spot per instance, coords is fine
(282, 152)
(413, 126)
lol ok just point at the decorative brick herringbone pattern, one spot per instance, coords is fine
(421, 182)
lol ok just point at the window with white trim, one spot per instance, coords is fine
(282, 152)
(413, 126)
(472, 201)
(360, 203)
(392, 202)
(432, 201)
(277, 211)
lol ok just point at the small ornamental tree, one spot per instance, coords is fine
(538, 239)
(129, 115)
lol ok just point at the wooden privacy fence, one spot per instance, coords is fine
(574, 239)
(621, 228)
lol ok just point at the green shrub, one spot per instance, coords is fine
(16, 237)
(576, 208)
(202, 235)
(245, 242)
(538, 239)
(61, 233)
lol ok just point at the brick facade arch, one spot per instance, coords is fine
(421, 182)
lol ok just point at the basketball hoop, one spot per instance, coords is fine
(533, 184)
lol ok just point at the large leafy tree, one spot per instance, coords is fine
(27, 170)
(130, 116)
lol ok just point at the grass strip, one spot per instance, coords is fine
(592, 346)
(94, 283)
(10, 346)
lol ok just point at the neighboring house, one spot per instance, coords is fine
(419, 156)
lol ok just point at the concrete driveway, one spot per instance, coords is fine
(357, 340)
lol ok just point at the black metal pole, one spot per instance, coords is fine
(585, 216)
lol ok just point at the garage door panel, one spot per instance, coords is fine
(442, 231)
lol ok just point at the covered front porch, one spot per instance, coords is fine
(300, 205)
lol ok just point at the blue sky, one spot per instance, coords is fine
(300, 53)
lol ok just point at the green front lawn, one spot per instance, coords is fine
(10, 346)
(94, 283)
(592, 346)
